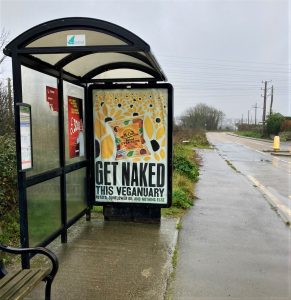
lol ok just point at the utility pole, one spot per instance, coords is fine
(265, 101)
(272, 97)
(242, 118)
(248, 117)
(256, 107)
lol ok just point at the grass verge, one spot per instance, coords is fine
(253, 134)
(185, 173)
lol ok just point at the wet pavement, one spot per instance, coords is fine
(113, 260)
(232, 244)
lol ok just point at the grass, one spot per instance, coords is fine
(196, 139)
(253, 134)
(9, 234)
(170, 288)
(175, 258)
(9, 229)
(173, 212)
(285, 136)
(231, 165)
(184, 162)
(185, 174)
(179, 225)
(97, 209)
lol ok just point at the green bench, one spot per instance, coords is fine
(17, 284)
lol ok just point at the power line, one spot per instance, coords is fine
(222, 60)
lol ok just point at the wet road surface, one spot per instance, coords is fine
(271, 174)
(232, 244)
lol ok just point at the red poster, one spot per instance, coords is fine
(52, 98)
(75, 127)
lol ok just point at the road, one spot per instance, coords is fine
(232, 244)
(271, 174)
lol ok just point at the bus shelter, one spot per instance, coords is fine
(93, 125)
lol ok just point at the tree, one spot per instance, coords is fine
(202, 116)
(274, 123)
(6, 111)
(3, 40)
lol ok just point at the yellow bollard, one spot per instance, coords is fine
(276, 145)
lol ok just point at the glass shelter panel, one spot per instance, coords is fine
(76, 192)
(41, 92)
(44, 210)
(74, 112)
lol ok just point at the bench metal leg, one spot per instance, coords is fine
(48, 288)
(3, 271)
(88, 215)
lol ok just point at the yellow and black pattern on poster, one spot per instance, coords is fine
(130, 137)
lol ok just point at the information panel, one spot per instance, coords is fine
(25, 136)
(132, 145)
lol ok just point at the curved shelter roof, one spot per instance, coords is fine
(88, 49)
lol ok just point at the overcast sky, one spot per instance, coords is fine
(213, 51)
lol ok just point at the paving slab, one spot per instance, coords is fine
(113, 260)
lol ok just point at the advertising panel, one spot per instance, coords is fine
(75, 127)
(52, 98)
(131, 145)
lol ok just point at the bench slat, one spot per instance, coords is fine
(7, 278)
(30, 283)
(13, 283)
(21, 284)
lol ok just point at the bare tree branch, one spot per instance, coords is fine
(3, 40)
(6, 111)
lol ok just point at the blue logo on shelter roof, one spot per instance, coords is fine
(76, 40)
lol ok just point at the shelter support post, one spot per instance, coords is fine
(89, 154)
(62, 159)
(21, 176)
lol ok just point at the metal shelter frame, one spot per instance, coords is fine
(35, 49)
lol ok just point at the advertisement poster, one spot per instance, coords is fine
(75, 127)
(25, 137)
(130, 132)
(52, 98)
